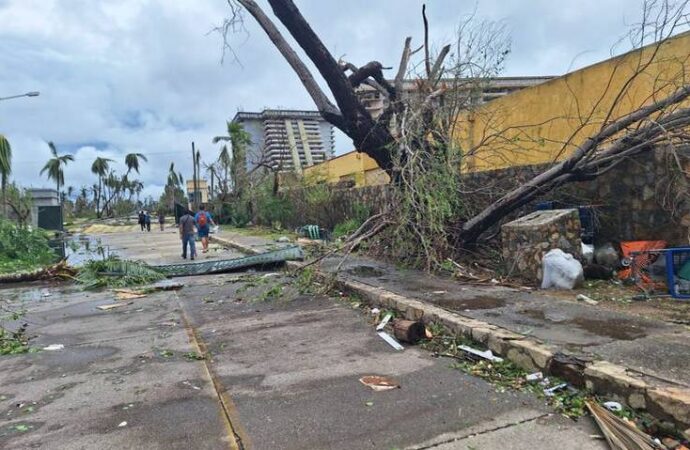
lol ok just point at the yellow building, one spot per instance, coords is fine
(545, 123)
(353, 167)
(201, 196)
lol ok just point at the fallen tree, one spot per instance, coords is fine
(414, 134)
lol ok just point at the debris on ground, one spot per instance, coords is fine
(561, 270)
(60, 271)
(289, 253)
(122, 424)
(384, 322)
(114, 272)
(164, 285)
(54, 347)
(536, 376)
(391, 340)
(613, 406)
(488, 354)
(621, 434)
(607, 255)
(409, 331)
(111, 306)
(127, 294)
(379, 383)
(585, 299)
(550, 392)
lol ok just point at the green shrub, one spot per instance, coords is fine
(23, 249)
(360, 213)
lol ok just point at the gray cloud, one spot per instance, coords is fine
(145, 75)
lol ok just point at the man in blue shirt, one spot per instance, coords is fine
(203, 221)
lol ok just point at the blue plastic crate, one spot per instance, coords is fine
(675, 259)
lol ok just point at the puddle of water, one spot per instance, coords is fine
(621, 329)
(366, 271)
(481, 302)
(81, 248)
(615, 328)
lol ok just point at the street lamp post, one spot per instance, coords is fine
(28, 94)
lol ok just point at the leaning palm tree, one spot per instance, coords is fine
(5, 168)
(132, 161)
(55, 166)
(100, 168)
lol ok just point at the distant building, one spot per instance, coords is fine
(287, 140)
(478, 91)
(199, 195)
(46, 211)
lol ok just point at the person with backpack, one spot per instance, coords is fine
(187, 225)
(203, 221)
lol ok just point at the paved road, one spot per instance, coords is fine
(282, 373)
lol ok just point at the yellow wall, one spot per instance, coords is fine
(355, 166)
(545, 123)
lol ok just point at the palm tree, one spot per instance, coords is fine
(55, 166)
(174, 182)
(132, 161)
(100, 168)
(239, 139)
(5, 168)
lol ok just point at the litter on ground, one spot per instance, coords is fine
(384, 322)
(54, 347)
(379, 383)
(111, 306)
(391, 340)
(488, 355)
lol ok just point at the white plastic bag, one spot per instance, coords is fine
(561, 270)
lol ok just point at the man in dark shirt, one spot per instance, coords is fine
(187, 235)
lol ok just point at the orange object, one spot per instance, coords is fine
(639, 254)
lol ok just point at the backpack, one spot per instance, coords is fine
(202, 220)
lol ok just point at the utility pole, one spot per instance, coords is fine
(194, 202)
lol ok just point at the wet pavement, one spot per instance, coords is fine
(653, 347)
(282, 371)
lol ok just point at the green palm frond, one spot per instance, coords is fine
(114, 272)
(132, 161)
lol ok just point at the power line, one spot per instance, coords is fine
(36, 161)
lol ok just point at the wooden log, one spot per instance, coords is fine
(409, 331)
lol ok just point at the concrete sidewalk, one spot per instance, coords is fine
(242, 361)
(640, 361)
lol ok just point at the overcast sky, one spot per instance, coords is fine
(121, 76)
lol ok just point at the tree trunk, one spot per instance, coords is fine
(409, 331)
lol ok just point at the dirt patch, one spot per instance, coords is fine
(473, 303)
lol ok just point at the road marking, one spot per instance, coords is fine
(236, 435)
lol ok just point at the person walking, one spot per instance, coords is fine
(147, 220)
(187, 225)
(142, 219)
(203, 220)
(161, 220)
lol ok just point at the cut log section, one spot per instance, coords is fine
(409, 331)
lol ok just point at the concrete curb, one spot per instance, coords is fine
(667, 401)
